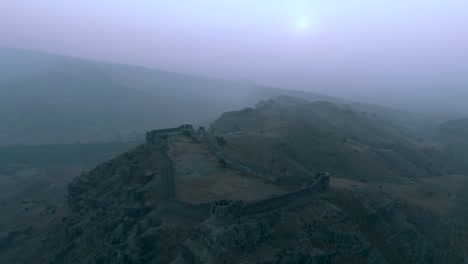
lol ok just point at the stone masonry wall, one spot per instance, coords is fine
(266, 205)
(151, 136)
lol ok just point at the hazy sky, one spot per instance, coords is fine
(362, 49)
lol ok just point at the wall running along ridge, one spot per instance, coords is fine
(226, 211)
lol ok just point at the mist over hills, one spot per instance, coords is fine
(66, 99)
(47, 98)
(234, 132)
(396, 194)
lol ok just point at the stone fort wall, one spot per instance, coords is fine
(283, 200)
(153, 135)
(225, 211)
(228, 211)
(270, 175)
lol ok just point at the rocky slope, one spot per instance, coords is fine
(295, 136)
(117, 210)
(118, 213)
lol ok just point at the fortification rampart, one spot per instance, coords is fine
(271, 175)
(225, 211)
(151, 136)
(266, 205)
(167, 171)
(167, 178)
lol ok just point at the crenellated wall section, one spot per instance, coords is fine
(152, 136)
(227, 211)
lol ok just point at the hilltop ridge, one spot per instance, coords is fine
(295, 136)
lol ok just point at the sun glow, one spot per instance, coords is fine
(303, 24)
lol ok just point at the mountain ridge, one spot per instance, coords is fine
(69, 100)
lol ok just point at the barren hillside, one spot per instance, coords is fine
(295, 136)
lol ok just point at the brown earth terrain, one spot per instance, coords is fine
(199, 177)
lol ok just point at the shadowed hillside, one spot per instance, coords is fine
(295, 136)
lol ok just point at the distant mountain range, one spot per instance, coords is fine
(47, 98)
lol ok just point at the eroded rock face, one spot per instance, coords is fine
(116, 213)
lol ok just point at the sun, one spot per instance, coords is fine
(303, 24)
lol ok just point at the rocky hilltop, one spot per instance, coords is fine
(296, 136)
(188, 196)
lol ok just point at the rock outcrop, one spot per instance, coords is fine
(118, 214)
